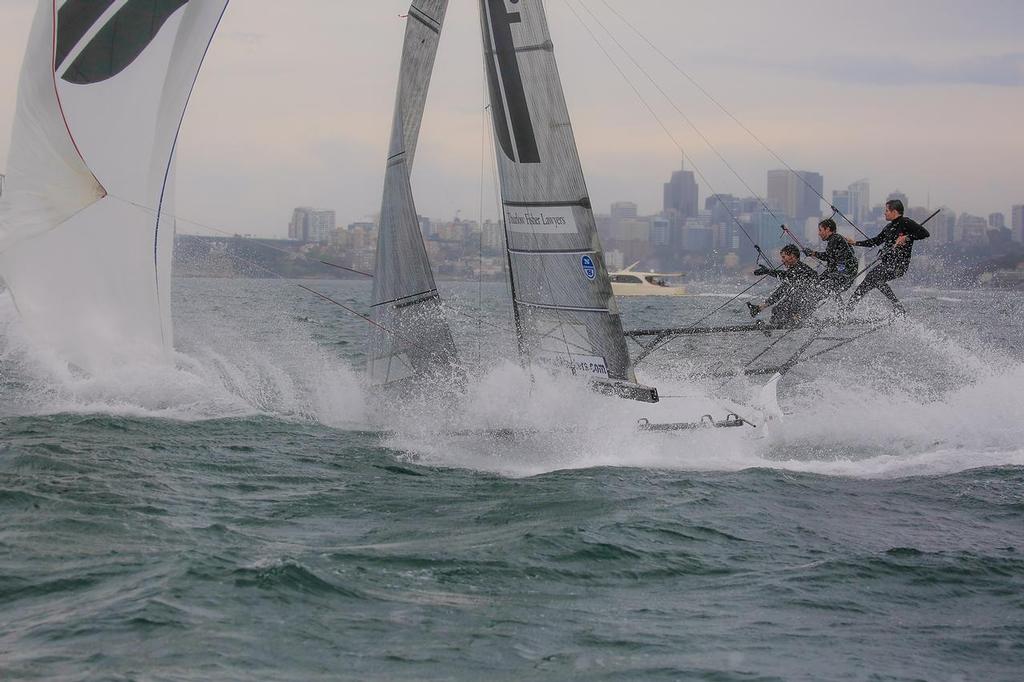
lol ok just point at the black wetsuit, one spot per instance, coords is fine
(893, 260)
(796, 298)
(840, 264)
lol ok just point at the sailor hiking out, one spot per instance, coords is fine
(797, 296)
(838, 257)
(897, 240)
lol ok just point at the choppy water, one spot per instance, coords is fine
(240, 516)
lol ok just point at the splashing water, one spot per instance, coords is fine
(911, 400)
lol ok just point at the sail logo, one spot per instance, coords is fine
(98, 39)
(511, 112)
(541, 220)
(589, 269)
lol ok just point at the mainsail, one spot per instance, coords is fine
(410, 339)
(85, 244)
(565, 312)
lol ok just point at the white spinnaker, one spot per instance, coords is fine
(47, 179)
(86, 240)
(410, 339)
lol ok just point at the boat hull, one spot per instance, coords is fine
(627, 289)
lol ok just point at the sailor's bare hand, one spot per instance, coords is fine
(849, 240)
(901, 240)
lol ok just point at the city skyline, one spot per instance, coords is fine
(271, 127)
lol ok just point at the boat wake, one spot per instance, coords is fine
(884, 414)
(888, 414)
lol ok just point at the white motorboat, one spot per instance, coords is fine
(630, 282)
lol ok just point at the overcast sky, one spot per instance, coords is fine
(294, 102)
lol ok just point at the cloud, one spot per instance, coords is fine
(1005, 70)
(998, 70)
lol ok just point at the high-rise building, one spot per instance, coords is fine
(798, 193)
(624, 210)
(698, 235)
(682, 195)
(724, 208)
(896, 194)
(860, 201)
(324, 223)
(972, 227)
(311, 225)
(298, 228)
(493, 235)
(996, 221)
(2, 178)
(943, 226)
(1017, 222)
(661, 231)
(841, 201)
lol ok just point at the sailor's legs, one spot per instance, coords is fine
(878, 278)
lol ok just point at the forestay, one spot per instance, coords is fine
(85, 241)
(566, 315)
(410, 339)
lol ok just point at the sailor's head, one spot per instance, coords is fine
(790, 255)
(826, 228)
(893, 209)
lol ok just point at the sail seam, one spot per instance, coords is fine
(427, 21)
(547, 306)
(432, 294)
(553, 252)
(583, 203)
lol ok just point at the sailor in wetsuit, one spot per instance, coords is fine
(897, 240)
(797, 296)
(839, 259)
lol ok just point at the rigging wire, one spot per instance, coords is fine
(746, 129)
(660, 343)
(278, 275)
(324, 296)
(760, 253)
(679, 111)
(835, 211)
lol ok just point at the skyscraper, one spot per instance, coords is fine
(311, 225)
(841, 201)
(896, 194)
(1017, 221)
(860, 201)
(660, 231)
(798, 193)
(682, 195)
(624, 210)
(996, 221)
(299, 226)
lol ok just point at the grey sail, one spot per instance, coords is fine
(566, 315)
(409, 339)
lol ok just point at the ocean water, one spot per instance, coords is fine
(248, 514)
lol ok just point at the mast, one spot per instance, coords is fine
(410, 339)
(566, 314)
